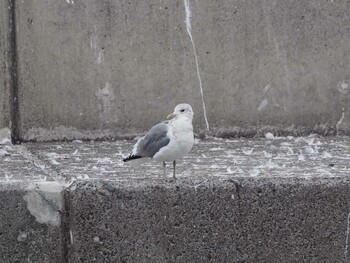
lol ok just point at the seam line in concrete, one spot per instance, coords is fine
(65, 227)
(14, 105)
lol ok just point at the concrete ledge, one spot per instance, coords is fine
(239, 220)
(264, 200)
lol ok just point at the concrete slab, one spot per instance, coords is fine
(306, 157)
(95, 69)
(282, 199)
(263, 200)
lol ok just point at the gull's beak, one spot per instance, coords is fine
(170, 116)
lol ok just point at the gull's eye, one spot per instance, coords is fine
(182, 110)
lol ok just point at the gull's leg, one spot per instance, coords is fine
(174, 164)
(164, 169)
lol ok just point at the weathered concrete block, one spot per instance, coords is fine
(234, 220)
(92, 69)
(31, 205)
(281, 199)
(30, 228)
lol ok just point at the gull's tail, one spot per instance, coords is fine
(131, 157)
(136, 160)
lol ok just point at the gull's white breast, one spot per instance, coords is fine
(181, 141)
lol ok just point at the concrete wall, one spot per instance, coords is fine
(91, 69)
(4, 66)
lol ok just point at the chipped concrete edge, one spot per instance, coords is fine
(45, 202)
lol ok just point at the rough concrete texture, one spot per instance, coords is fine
(92, 69)
(4, 66)
(227, 220)
(29, 217)
(281, 199)
(22, 237)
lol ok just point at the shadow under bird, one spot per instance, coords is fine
(167, 141)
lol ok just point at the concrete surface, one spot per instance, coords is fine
(22, 237)
(4, 66)
(282, 199)
(95, 69)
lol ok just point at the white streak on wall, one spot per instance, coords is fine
(263, 105)
(189, 31)
(106, 103)
(100, 57)
(341, 120)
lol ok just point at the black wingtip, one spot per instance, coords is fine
(131, 157)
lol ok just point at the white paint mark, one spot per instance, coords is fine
(346, 254)
(189, 31)
(70, 2)
(263, 105)
(341, 120)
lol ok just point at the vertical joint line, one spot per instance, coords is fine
(346, 255)
(13, 71)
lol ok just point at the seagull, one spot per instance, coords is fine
(167, 141)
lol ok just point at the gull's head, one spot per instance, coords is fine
(182, 110)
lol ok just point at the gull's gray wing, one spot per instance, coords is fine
(153, 141)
